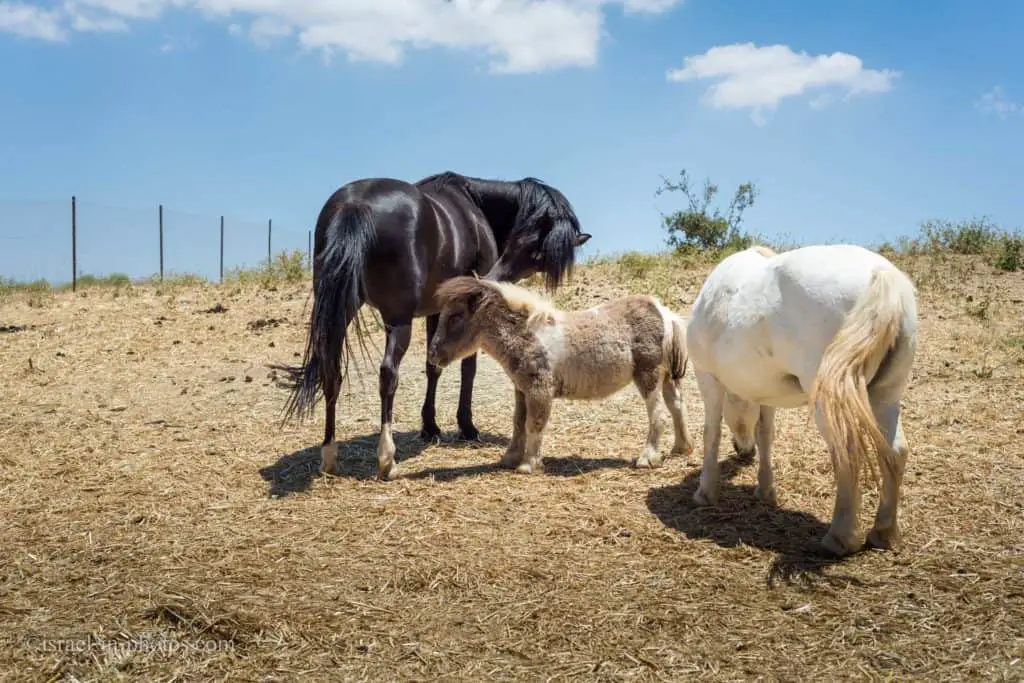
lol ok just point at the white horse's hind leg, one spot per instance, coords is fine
(741, 416)
(713, 393)
(841, 538)
(765, 435)
(650, 457)
(885, 532)
(672, 393)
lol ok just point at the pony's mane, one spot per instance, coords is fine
(538, 199)
(764, 251)
(537, 308)
(442, 180)
(519, 299)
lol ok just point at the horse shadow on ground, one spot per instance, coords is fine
(357, 459)
(739, 517)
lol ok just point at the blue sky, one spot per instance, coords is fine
(857, 120)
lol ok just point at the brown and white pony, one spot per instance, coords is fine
(548, 353)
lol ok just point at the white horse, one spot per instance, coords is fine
(830, 326)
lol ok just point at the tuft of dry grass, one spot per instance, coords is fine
(160, 523)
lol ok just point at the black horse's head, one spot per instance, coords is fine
(534, 225)
(543, 238)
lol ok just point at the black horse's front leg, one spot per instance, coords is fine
(430, 430)
(464, 416)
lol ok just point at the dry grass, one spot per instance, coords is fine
(147, 491)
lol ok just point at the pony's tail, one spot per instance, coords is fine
(676, 348)
(337, 297)
(840, 389)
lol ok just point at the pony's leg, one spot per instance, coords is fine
(765, 435)
(514, 454)
(398, 337)
(538, 409)
(672, 392)
(885, 532)
(430, 430)
(841, 538)
(713, 393)
(329, 449)
(464, 416)
(742, 416)
(647, 385)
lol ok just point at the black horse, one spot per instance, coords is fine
(390, 243)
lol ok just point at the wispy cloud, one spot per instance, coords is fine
(518, 36)
(995, 102)
(759, 78)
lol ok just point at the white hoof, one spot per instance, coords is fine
(703, 499)
(837, 547)
(683, 449)
(884, 540)
(525, 468)
(647, 463)
(328, 458)
(768, 496)
(511, 459)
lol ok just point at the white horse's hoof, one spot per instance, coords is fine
(703, 499)
(646, 463)
(766, 497)
(884, 540)
(836, 547)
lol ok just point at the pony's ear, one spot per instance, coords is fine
(581, 238)
(474, 300)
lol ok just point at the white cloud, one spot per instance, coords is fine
(759, 78)
(517, 35)
(995, 102)
(30, 21)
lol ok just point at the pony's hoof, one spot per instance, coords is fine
(431, 433)
(768, 496)
(884, 540)
(510, 460)
(703, 499)
(831, 544)
(525, 468)
(683, 449)
(328, 458)
(389, 473)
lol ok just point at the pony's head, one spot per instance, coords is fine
(458, 326)
(544, 237)
(469, 306)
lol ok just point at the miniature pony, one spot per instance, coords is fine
(834, 327)
(549, 354)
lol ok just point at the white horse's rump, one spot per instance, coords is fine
(835, 326)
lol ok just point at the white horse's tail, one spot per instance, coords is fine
(840, 389)
(675, 349)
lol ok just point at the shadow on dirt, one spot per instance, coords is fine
(357, 459)
(739, 517)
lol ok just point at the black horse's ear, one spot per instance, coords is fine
(581, 238)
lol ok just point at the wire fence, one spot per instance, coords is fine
(59, 242)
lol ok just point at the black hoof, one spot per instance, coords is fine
(469, 433)
(430, 433)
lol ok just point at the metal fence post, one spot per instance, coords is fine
(74, 245)
(222, 249)
(161, 243)
(270, 223)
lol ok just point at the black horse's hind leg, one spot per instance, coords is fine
(430, 431)
(329, 449)
(465, 413)
(398, 337)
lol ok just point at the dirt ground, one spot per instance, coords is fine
(159, 523)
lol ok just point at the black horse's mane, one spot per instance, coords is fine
(536, 200)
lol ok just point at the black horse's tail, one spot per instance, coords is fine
(337, 297)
